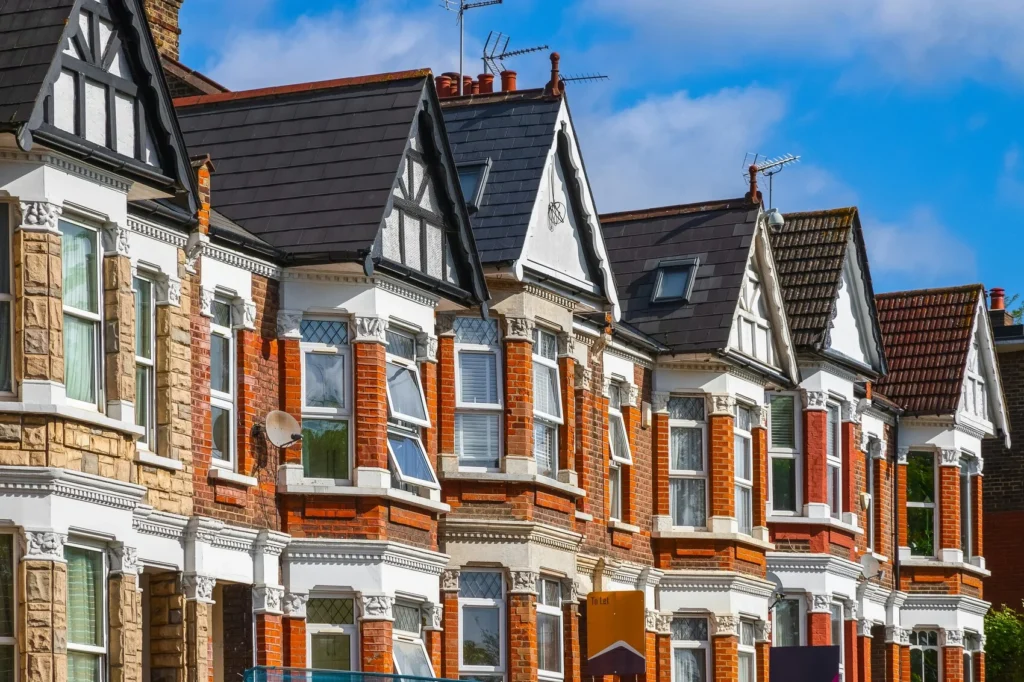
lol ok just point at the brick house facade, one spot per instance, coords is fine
(506, 402)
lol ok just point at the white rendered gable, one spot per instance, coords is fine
(849, 331)
(981, 394)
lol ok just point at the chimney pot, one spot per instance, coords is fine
(555, 87)
(508, 81)
(998, 296)
(467, 85)
(486, 81)
(454, 80)
(444, 86)
(754, 195)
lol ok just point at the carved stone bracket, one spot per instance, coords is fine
(40, 216)
(123, 559)
(524, 582)
(198, 587)
(426, 347)
(659, 401)
(584, 376)
(244, 313)
(901, 454)
(663, 626)
(763, 631)
(951, 638)
(267, 599)
(815, 400)
(759, 417)
(168, 291)
(44, 545)
(519, 329)
(566, 345)
(433, 616)
(849, 412)
(377, 607)
(633, 399)
(294, 604)
(650, 620)
(897, 635)
(864, 627)
(371, 330)
(570, 591)
(444, 324)
(206, 299)
(450, 580)
(820, 603)
(722, 404)
(289, 324)
(115, 240)
(950, 457)
(197, 243)
(726, 625)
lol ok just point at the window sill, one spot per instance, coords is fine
(815, 521)
(76, 413)
(503, 477)
(218, 474)
(308, 487)
(147, 458)
(921, 562)
(616, 525)
(701, 535)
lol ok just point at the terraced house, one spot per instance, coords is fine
(507, 401)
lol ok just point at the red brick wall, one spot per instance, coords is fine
(725, 659)
(722, 466)
(851, 651)
(450, 636)
(763, 657)
(294, 639)
(522, 649)
(291, 390)
(567, 431)
(375, 646)
(819, 629)
(269, 640)
(518, 398)
(446, 391)
(949, 508)
(571, 651)
(1004, 555)
(371, 405)
(952, 663)
(815, 449)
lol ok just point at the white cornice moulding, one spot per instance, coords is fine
(17, 481)
(505, 531)
(343, 552)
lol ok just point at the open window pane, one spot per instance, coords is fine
(221, 433)
(673, 282)
(410, 460)
(411, 659)
(618, 439)
(331, 651)
(325, 380)
(405, 396)
(476, 439)
(325, 448)
(478, 378)
(783, 484)
(689, 501)
(481, 636)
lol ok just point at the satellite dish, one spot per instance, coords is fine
(283, 429)
(778, 592)
(870, 566)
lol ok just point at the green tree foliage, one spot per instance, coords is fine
(1004, 645)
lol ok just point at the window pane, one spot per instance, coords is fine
(673, 282)
(746, 661)
(476, 439)
(476, 331)
(330, 611)
(221, 313)
(783, 484)
(78, 249)
(401, 345)
(690, 665)
(617, 437)
(331, 651)
(221, 433)
(80, 359)
(220, 363)
(545, 390)
(833, 424)
(469, 178)
(327, 332)
(549, 642)
(6, 588)
(85, 596)
(686, 408)
(687, 448)
(478, 378)
(5, 255)
(481, 636)
(551, 593)
(615, 492)
(143, 318)
(835, 491)
(407, 618)
(786, 623)
(83, 667)
(965, 508)
(921, 531)
(689, 630)
(920, 477)
(744, 509)
(410, 460)
(411, 659)
(836, 614)
(7, 663)
(741, 454)
(480, 585)
(143, 391)
(6, 382)
(545, 440)
(689, 502)
(931, 665)
(742, 418)
(325, 448)
(406, 399)
(325, 380)
(545, 344)
(783, 422)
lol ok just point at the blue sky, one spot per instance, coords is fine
(908, 109)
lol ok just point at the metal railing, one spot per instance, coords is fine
(274, 674)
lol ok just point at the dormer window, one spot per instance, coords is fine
(473, 178)
(674, 280)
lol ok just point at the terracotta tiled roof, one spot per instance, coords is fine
(927, 335)
(809, 251)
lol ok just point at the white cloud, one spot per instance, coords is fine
(919, 250)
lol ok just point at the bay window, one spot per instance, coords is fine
(547, 402)
(145, 361)
(836, 626)
(747, 652)
(967, 466)
(8, 641)
(549, 627)
(688, 475)
(331, 633)
(83, 375)
(618, 445)
(972, 647)
(6, 303)
(408, 650)
(86, 614)
(408, 409)
(744, 469)
(787, 623)
(222, 383)
(482, 625)
(924, 656)
(874, 451)
(834, 460)
(478, 400)
(784, 453)
(326, 401)
(690, 651)
(921, 503)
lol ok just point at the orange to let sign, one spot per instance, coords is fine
(616, 637)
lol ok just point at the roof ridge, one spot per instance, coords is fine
(677, 209)
(821, 212)
(491, 97)
(933, 290)
(301, 87)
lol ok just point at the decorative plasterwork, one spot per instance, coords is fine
(115, 240)
(570, 591)
(195, 246)
(426, 347)
(502, 532)
(583, 376)
(198, 587)
(763, 631)
(68, 166)
(147, 521)
(382, 283)
(819, 603)
(450, 580)
(40, 216)
(376, 606)
(725, 625)
(650, 620)
(444, 324)
(722, 404)
(943, 602)
(759, 416)
(405, 292)
(244, 313)
(950, 457)
(550, 296)
(206, 297)
(524, 581)
(340, 552)
(518, 329)
(813, 563)
(123, 559)
(633, 399)
(902, 452)
(44, 545)
(710, 582)
(566, 345)
(951, 638)
(815, 400)
(848, 410)
(267, 599)
(371, 330)
(289, 324)
(157, 232)
(864, 627)
(66, 483)
(294, 604)
(168, 291)
(663, 624)
(897, 635)
(433, 616)
(659, 401)
(253, 265)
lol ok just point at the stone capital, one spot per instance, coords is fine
(433, 616)
(725, 625)
(123, 559)
(444, 324)
(650, 620)
(819, 603)
(206, 298)
(950, 457)
(39, 216)
(849, 412)
(194, 247)
(570, 591)
(864, 627)
(376, 607)
(450, 580)
(952, 638)
(115, 240)
(289, 324)
(902, 453)
(267, 599)
(519, 329)
(763, 631)
(243, 312)
(722, 404)
(168, 291)
(815, 400)
(759, 417)
(44, 545)
(584, 377)
(371, 330)
(566, 345)
(663, 626)
(426, 347)
(659, 401)
(198, 587)
(294, 604)
(633, 395)
(897, 635)
(523, 581)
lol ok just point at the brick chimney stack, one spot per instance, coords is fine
(997, 308)
(163, 22)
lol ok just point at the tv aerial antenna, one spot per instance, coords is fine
(769, 168)
(461, 6)
(585, 78)
(496, 52)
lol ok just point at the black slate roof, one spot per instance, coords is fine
(516, 131)
(30, 33)
(307, 170)
(718, 233)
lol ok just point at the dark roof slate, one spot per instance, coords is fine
(927, 335)
(516, 132)
(307, 170)
(718, 233)
(30, 34)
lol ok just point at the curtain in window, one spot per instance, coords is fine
(744, 509)
(83, 597)
(746, 667)
(79, 359)
(549, 646)
(690, 665)
(82, 667)
(687, 449)
(688, 502)
(79, 254)
(6, 383)
(6, 586)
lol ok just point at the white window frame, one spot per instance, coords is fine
(12, 641)
(801, 606)
(834, 461)
(342, 414)
(870, 471)
(95, 318)
(352, 629)
(933, 505)
(615, 416)
(404, 478)
(412, 365)
(749, 650)
(148, 441)
(691, 473)
(743, 484)
(967, 464)
(101, 651)
(547, 609)
(496, 409)
(748, 317)
(551, 421)
(705, 646)
(227, 401)
(6, 216)
(841, 639)
(498, 603)
(795, 454)
(614, 491)
(928, 647)
(972, 647)
(411, 638)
